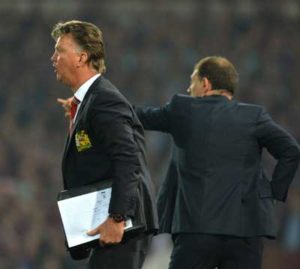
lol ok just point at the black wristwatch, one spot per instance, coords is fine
(117, 217)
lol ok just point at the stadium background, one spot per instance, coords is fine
(151, 48)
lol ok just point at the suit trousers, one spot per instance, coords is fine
(204, 251)
(130, 254)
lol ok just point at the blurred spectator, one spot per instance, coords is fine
(290, 235)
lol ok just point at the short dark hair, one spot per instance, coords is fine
(220, 72)
(88, 37)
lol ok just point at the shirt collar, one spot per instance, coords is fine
(81, 92)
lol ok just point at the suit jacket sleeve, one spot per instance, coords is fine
(282, 147)
(154, 118)
(112, 122)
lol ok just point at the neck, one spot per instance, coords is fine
(224, 93)
(82, 77)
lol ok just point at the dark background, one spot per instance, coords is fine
(151, 49)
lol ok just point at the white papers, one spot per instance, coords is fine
(83, 213)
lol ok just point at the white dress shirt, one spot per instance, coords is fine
(81, 92)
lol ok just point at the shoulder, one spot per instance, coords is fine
(104, 87)
(183, 97)
(251, 108)
(104, 91)
(107, 102)
(179, 99)
(254, 113)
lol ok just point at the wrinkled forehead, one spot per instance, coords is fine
(60, 41)
(66, 40)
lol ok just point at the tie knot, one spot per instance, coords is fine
(75, 100)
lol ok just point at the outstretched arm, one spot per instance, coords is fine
(154, 118)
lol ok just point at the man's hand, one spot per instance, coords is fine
(111, 232)
(66, 104)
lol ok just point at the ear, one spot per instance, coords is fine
(206, 84)
(83, 57)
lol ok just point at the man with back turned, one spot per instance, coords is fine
(224, 203)
(105, 141)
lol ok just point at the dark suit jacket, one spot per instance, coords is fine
(108, 143)
(222, 188)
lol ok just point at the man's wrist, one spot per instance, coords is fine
(117, 217)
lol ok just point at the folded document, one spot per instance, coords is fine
(84, 209)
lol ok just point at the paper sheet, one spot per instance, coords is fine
(85, 212)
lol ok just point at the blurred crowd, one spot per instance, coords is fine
(151, 49)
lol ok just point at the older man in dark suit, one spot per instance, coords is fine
(106, 141)
(224, 202)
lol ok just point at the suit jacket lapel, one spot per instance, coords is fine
(65, 151)
(78, 116)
